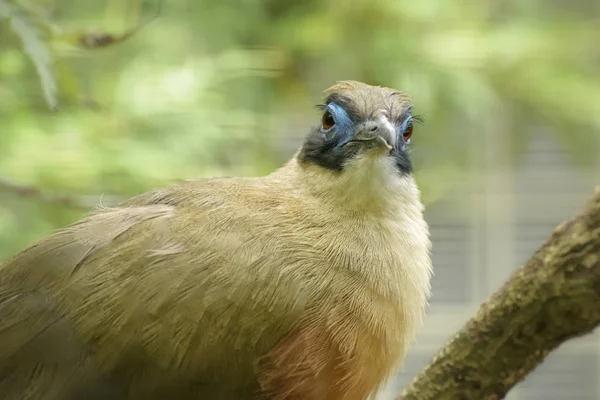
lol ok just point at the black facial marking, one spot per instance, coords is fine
(325, 152)
(402, 161)
(320, 151)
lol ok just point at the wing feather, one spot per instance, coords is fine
(129, 302)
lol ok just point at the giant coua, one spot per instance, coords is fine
(308, 283)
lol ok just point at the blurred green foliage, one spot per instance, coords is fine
(109, 97)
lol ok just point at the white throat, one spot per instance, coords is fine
(368, 184)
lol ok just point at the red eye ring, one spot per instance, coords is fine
(408, 132)
(327, 121)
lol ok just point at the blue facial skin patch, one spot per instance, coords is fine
(341, 132)
(401, 130)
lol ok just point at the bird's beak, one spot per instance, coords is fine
(378, 133)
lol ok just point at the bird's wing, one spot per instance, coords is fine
(133, 302)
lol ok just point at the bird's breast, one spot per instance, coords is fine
(367, 285)
(379, 270)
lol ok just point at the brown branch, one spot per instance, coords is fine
(554, 297)
(85, 202)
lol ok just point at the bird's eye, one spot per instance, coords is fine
(327, 121)
(408, 132)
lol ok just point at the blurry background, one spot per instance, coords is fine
(93, 103)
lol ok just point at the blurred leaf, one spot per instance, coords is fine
(35, 47)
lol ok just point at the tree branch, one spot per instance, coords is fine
(73, 201)
(554, 297)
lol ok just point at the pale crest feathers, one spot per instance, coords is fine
(369, 100)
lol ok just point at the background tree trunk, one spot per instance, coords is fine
(554, 297)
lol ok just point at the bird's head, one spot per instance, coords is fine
(359, 146)
(359, 121)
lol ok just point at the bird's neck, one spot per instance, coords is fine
(369, 186)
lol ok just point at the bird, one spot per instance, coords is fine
(306, 283)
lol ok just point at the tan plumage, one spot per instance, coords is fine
(304, 284)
